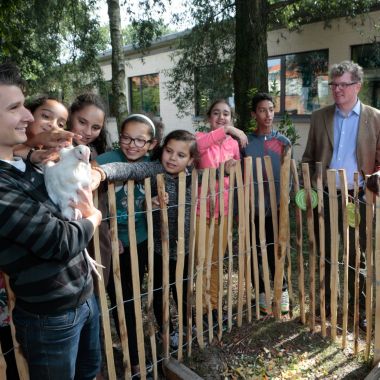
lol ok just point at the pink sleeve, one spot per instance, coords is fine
(206, 140)
(236, 151)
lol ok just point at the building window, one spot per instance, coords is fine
(299, 81)
(145, 94)
(368, 57)
(212, 82)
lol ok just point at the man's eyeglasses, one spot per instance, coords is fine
(340, 86)
(139, 143)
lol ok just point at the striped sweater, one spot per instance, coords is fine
(41, 253)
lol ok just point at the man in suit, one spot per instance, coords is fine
(345, 135)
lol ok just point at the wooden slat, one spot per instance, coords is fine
(136, 278)
(190, 286)
(209, 251)
(346, 244)
(322, 245)
(283, 231)
(230, 246)
(117, 279)
(165, 264)
(247, 181)
(333, 205)
(254, 246)
(369, 266)
(22, 365)
(376, 349)
(357, 263)
(3, 365)
(150, 312)
(273, 200)
(312, 244)
(262, 237)
(201, 258)
(299, 248)
(103, 304)
(241, 242)
(180, 257)
(221, 252)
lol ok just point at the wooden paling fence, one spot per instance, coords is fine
(237, 299)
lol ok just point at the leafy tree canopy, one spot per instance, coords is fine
(233, 34)
(55, 43)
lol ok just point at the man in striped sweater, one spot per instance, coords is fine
(56, 315)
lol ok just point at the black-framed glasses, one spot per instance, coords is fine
(139, 143)
(340, 86)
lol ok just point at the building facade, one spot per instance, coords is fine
(298, 71)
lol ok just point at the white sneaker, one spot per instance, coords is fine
(285, 302)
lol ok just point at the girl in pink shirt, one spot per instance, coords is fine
(216, 147)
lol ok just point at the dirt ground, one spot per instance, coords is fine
(271, 349)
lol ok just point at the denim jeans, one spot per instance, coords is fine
(62, 346)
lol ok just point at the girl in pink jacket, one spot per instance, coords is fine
(216, 147)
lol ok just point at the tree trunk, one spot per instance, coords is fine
(251, 67)
(118, 66)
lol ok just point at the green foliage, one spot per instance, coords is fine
(55, 44)
(211, 43)
(287, 128)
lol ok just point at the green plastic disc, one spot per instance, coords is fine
(301, 199)
(350, 208)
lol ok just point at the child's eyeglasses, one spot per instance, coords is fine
(139, 143)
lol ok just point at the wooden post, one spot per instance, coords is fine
(312, 244)
(3, 365)
(322, 245)
(369, 264)
(343, 189)
(221, 250)
(117, 279)
(150, 313)
(108, 348)
(241, 249)
(209, 252)
(180, 257)
(283, 230)
(22, 365)
(165, 265)
(190, 285)
(201, 258)
(262, 237)
(254, 246)
(299, 238)
(230, 246)
(136, 277)
(333, 205)
(273, 200)
(247, 182)
(357, 263)
(376, 349)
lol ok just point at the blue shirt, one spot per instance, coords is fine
(346, 129)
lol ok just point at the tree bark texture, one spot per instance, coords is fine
(118, 65)
(250, 68)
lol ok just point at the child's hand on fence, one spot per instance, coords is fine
(121, 247)
(373, 183)
(228, 165)
(156, 201)
(238, 133)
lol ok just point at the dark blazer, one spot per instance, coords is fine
(320, 142)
